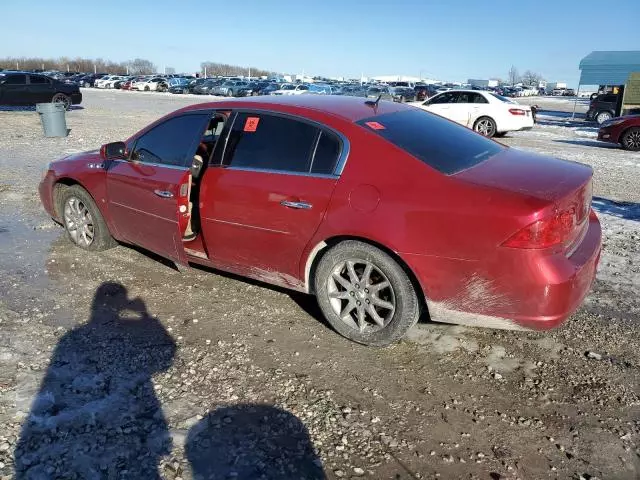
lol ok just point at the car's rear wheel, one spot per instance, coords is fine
(631, 139)
(485, 126)
(146, 88)
(63, 99)
(87, 84)
(82, 220)
(602, 117)
(229, 93)
(365, 294)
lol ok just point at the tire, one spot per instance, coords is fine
(87, 84)
(485, 126)
(336, 296)
(146, 88)
(229, 93)
(631, 139)
(75, 203)
(62, 98)
(603, 116)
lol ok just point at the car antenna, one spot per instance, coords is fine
(373, 104)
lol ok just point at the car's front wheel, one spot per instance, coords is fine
(485, 126)
(631, 139)
(82, 220)
(63, 99)
(365, 294)
(603, 117)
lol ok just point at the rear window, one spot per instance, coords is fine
(441, 144)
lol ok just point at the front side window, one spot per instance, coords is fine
(270, 142)
(443, 145)
(16, 80)
(173, 142)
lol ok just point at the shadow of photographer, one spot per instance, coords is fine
(96, 414)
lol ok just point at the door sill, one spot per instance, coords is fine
(195, 253)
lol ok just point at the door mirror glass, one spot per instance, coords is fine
(113, 151)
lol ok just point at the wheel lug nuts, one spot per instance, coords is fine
(366, 290)
(357, 285)
(351, 293)
(367, 301)
(358, 303)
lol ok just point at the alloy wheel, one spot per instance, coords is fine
(63, 99)
(78, 222)
(632, 140)
(361, 295)
(485, 127)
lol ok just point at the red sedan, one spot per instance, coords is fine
(622, 130)
(383, 211)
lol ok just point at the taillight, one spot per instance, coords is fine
(517, 111)
(545, 233)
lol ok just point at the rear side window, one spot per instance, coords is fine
(269, 142)
(38, 80)
(441, 144)
(327, 153)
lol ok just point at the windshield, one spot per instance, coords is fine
(441, 144)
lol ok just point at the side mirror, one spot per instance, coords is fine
(113, 151)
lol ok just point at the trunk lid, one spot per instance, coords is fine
(550, 186)
(529, 175)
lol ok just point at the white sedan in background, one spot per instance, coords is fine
(102, 82)
(485, 112)
(291, 89)
(152, 84)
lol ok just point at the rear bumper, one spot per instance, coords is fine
(513, 289)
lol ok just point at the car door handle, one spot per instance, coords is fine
(300, 205)
(163, 193)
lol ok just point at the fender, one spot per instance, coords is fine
(88, 170)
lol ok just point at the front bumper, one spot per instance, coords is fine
(45, 190)
(607, 134)
(512, 289)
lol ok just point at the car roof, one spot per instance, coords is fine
(348, 108)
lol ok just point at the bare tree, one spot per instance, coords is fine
(140, 66)
(531, 78)
(513, 75)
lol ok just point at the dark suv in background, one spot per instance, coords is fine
(23, 88)
(603, 108)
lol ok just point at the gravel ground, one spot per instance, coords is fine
(114, 365)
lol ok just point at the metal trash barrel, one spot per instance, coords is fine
(52, 117)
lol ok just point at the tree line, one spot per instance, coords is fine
(137, 66)
(224, 69)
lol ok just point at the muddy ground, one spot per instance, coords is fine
(114, 365)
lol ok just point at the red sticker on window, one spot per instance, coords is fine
(251, 125)
(374, 125)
